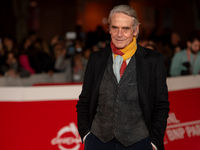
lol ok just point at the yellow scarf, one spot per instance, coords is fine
(129, 51)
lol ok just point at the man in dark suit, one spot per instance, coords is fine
(124, 101)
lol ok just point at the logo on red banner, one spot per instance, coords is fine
(67, 138)
(177, 131)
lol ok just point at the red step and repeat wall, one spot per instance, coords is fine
(44, 117)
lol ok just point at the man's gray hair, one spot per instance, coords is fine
(128, 10)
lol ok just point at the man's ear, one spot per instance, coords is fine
(136, 31)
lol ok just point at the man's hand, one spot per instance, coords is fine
(153, 148)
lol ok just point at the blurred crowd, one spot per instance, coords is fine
(181, 57)
(62, 54)
(70, 55)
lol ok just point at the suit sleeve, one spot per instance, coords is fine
(83, 105)
(160, 105)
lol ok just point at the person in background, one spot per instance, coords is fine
(11, 68)
(150, 45)
(35, 56)
(9, 45)
(187, 61)
(78, 68)
(86, 54)
(124, 100)
(32, 36)
(43, 56)
(57, 40)
(175, 41)
(52, 43)
(23, 57)
(79, 64)
(2, 55)
(62, 63)
(95, 48)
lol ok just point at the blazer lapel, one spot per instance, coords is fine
(142, 70)
(100, 68)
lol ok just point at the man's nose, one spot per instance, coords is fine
(119, 33)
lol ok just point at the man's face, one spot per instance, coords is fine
(121, 30)
(194, 46)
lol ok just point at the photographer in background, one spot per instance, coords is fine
(187, 61)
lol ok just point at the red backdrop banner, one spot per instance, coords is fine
(49, 125)
(34, 121)
(183, 129)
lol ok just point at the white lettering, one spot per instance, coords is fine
(68, 141)
(193, 131)
(172, 119)
(179, 130)
(61, 141)
(175, 134)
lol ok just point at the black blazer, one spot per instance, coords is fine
(152, 89)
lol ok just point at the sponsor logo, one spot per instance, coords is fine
(177, 131)
(70, 142)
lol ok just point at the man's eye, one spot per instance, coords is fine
(126, 28)
(114, 27)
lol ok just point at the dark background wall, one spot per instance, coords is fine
(7, 20)
(56, 17)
